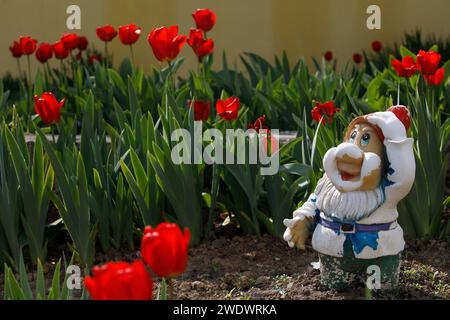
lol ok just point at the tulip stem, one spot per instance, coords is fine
(53, 135)
(163, 290)
(106, 54)
(398, 92)
(170, 75)
(29, 71)
(19, 68)
(132, 54)
(30, 89)
(49, 71)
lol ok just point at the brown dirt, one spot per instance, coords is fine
(249, 267)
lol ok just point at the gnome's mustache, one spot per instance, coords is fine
(368, 162)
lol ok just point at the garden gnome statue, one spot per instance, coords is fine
(353, 211)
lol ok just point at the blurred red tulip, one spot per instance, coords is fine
(201, 109)
(106, 33)
(326, 110)
(377, 46)
(28, 45)
(405, 68)
(70, 41)
(357, 58)
(259, 124)
(436, 78)
(44, 52)
(228, 109)
(129, 34)
(82, 43)
(428, 62)
(60, 50)
(205, 19)
(165, 249)
(166, 43)
(201, 47)
(120, 281)
(328, 56)
(16, 49)
(95, 57)
(48, 108)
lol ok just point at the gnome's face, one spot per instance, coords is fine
(357, 163)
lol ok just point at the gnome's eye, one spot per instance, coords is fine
(365, 139)
(352, 137)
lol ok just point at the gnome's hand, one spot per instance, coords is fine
(390, 125)
(298, 230)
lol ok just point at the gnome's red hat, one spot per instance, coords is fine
(401, 112)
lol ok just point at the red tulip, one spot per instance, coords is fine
(201, 110)
(120, 281)
(166, 43)
(357, 58)
(328, 56)
(44, 52)
(436, 78)
(201, 47)
(326, 109)
(48, 108)
(106, 33)
(60, 50)
(377, 46)
(70, 41)
(259, 124)
(16, 49)
(129, 34)
(205, 19)
(405, 68)
(428, 62)
(82, 43)
(165, 249)
(28, 45)
(95, 57)
(228, 109)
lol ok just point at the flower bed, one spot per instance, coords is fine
(101, 168)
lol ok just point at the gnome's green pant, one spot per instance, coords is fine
(339, 273)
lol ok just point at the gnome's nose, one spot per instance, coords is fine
(349, 158)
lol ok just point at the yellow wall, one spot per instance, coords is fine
(303, 28)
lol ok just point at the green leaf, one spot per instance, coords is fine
(406, 52)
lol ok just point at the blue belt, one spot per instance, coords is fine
(360, 235)
(349, 227)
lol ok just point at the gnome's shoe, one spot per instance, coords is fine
(340, 273)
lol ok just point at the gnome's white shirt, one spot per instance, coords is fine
(400, 177)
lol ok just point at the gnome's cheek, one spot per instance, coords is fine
(371, 171)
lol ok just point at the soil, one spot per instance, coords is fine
(250, 267)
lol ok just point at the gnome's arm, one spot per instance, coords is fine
(400, 154)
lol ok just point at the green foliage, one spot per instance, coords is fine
(21, 289)
(70, 175)
(35, 178)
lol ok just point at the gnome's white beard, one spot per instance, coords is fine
(353, 205)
